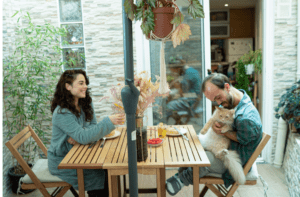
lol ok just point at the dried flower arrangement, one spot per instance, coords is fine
(148, 93)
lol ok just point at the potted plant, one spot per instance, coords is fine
(29, 76)
(159, 16)
(289, 107)
(254, 59)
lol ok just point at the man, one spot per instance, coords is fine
(190, 83)
(246, 134)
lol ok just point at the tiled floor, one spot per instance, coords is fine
(273, 176)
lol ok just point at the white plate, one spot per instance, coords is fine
(117, 133)
(156, 144)
(183, 131)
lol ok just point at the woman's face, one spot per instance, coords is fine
(78, 88)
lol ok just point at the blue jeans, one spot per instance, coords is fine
(217, 166)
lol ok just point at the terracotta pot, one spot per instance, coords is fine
(162, 19)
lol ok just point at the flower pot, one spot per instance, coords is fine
(249, 69)
(14, 181)
(162, 19)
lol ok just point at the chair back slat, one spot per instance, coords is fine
(19, 136)
(259, 148)
(22, 140)
(38, 140)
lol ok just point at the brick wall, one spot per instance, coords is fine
(285, 60)
(103, 33)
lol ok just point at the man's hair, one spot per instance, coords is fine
(217, 79)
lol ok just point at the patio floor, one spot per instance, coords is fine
(273, 176)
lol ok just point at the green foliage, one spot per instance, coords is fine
(289, 105)
(253, 57)
(142, 10)
(195, 9)
(242, 79)
(178, 18)
(35, 60)
(148, 23)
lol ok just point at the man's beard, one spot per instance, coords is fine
(229, 101)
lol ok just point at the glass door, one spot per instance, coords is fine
(185, 67)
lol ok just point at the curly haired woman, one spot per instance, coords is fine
(74, 121)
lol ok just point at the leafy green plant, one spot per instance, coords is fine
(289, 105)
(243, 80)
(30, 74)
(143, 10)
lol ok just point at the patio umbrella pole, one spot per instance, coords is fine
(130, 95)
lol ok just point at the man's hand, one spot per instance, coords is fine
(72, 141)
(217, 127)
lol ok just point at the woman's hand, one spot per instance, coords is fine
(72, 141)
(117, 119)
(217, 127)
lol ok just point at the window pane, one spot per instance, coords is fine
(74, 58)
(188, 79)
(70, 10)
(75, 35)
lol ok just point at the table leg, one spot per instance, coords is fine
(196, 181)
(114, 184)
(109, 184)
(80, 182)
(160, 182)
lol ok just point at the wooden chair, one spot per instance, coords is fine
(219, 189)
(37, 179)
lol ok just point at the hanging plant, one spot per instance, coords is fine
(243, 81)
(145, 10)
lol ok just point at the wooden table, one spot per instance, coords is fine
(175, 152)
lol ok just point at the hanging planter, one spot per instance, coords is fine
(162, 21)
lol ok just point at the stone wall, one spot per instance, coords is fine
(103, 33)
(285, 60)
(291, 164)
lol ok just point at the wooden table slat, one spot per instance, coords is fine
(192, 145)
(93, 153)
(183, 145)
(118, 149)
(70, 154)
(178, 148)
(76, 154)
(105, 149)
(172, 146)
(123, 149)
(199, 147)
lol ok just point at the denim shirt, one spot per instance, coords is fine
(248, 127)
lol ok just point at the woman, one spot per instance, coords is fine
(74, 121)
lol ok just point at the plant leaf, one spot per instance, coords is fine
(195, 9)
(148, 22)
(130, 9)
(151, 3)
(181, 33)
(178, 18)
(15, 13)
